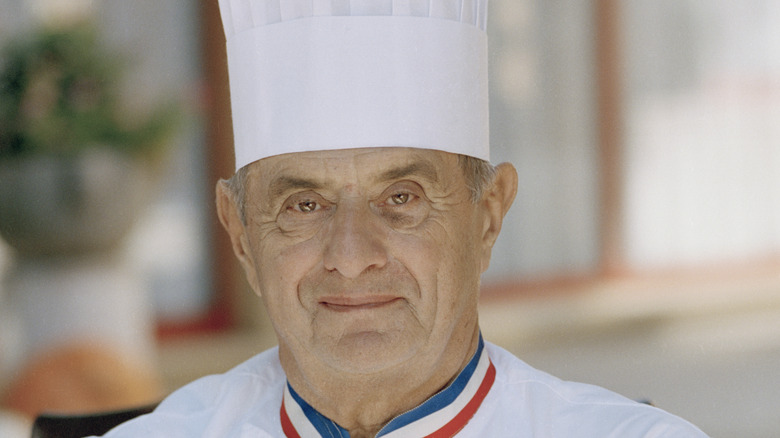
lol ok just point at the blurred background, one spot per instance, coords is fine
(642, 253)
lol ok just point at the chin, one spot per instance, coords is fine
(369, 352)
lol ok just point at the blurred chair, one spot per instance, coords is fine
(78, 426)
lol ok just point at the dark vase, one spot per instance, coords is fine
(65, 206)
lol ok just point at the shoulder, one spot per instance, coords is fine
(249, 380)
(217, 405)
(573, 409)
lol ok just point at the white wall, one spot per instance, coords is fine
(703, 146)
(542, 120)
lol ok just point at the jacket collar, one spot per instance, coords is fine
(441, 416)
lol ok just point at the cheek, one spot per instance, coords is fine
(435, 260)
(419, 255)
(448, 257)
(282, 267)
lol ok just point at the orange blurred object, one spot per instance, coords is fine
(80, 379)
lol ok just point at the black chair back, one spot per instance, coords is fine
(78, 426)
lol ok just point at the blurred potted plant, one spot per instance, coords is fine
(75, 163)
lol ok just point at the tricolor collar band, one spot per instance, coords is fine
(441, 416)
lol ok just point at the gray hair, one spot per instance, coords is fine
(479, 175)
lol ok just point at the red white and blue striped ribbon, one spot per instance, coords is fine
(441, 416)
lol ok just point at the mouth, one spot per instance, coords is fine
(348, 304)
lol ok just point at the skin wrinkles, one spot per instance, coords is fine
(429, 225)
(317, 191)
(364, 292)
(285, 184)
(424, 169)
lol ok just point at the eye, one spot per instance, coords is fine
(403, 194)
(399, 198)
(303, 212)
(307, 206)
(403, 205)
(305, 203)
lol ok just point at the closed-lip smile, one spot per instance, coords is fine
(348, 303)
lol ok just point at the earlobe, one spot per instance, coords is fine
(230, 218)
(497, 202)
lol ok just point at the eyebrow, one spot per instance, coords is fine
(284, 183)
(421, 168)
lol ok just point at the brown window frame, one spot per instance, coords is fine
(222, 313)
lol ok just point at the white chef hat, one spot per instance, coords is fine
(311, 75)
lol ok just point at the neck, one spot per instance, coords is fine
(364, 403)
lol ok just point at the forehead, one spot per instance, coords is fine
(352, 166)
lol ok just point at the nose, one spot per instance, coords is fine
(355, 241)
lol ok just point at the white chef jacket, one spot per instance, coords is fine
(496, 395)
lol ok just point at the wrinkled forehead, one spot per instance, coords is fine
(362, 166)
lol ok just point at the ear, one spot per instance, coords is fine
(496, 202)
(230, 217)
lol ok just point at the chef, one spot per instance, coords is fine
(363, 211)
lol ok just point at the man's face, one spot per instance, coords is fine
(366, 259)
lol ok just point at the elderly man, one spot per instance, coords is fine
(363, 212)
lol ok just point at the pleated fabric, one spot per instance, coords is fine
(241, 15)
(316, 75)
